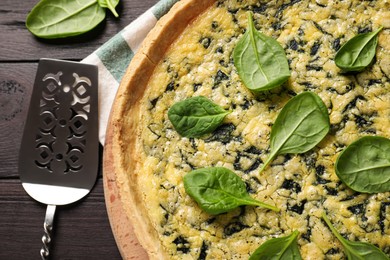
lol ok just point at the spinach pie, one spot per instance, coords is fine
(196, 54)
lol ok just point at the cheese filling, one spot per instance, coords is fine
(200, 63)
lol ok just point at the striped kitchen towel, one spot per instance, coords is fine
(114, 56)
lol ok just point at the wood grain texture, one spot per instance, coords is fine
(19, 44)
(16, 82)
(82, 230)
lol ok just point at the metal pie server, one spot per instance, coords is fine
(58, 159)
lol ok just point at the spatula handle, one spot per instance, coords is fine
(48, 227)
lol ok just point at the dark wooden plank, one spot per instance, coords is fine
(16, 81)
(81, 230)
(19, 44)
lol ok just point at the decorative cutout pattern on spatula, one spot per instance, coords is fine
(63, 119)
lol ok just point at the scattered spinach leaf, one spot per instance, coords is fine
(260, 60)
(301, 124)
(196, 116)
(356, 250)
(358, 52)
(218, 190)
(282, 248)
(364, 165)
(59, 19)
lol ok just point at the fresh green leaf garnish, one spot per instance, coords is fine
(196, 116)
(260, 60)
(281, 248)
(301, 125)
(218, 190)
(62, 18)
(356, 250)
(364, 165)
(358, 52)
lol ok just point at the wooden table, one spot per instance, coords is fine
(82, 229)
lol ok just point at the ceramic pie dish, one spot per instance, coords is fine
(189, 53)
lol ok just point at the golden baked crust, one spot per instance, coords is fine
(304, 183)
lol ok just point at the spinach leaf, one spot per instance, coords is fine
(301, 125)
(218, 190)
(354, 249)
(196, 116)
(260, 60)
(364, 165)
(61, 18)
(358, 52)
(281, 248)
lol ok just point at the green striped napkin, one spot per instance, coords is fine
(114, 56)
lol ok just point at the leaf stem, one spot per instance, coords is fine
(264, 205)
(354, 250)
(112, 8)
(270, 158)
(334, 231)
(343, 241)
